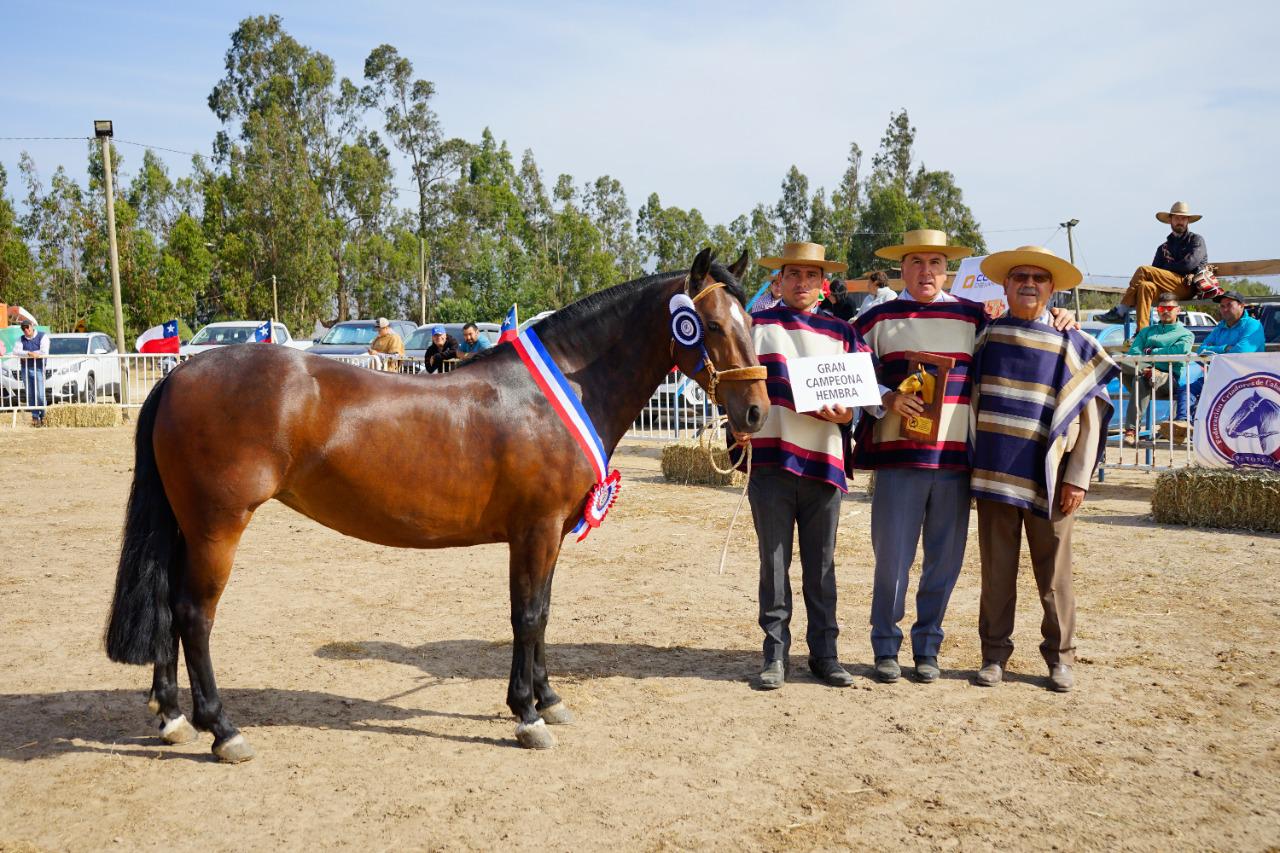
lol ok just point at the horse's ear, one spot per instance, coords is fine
(739, 266)
(701, 266)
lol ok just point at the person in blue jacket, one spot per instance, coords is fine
(1238, 332)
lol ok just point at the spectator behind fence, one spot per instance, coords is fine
(1167, 336)
(388, 346)
(472, 341)
(32, 347)
(838, 301)
(1172, 271)
(883, 292)
(1238, 332)
(443, 348)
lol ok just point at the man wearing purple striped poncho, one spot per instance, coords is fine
(1039, 412)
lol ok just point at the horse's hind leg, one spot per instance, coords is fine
(163, 700)
(206, 568)
(533, 559)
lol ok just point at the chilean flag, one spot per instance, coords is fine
(510, 327)
(262, 334)
(162, 338)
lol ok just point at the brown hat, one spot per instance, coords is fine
(1065, 276)
(924, 240)
(803, 254)
(1179, 208)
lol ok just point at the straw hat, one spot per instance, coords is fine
(924, 240)
(807, 254)
(1179, 208)
(1065, 276)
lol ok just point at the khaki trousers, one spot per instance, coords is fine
(1000, 529)
(1146, 284)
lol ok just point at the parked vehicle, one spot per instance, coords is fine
(235, 332)
(80, 368)
(1188, 318)
(352, 338)
(1268, 313)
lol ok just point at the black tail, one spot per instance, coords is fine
(141, 624)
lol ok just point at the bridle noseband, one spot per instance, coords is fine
(714, 376)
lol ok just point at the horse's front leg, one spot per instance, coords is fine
(533, 559)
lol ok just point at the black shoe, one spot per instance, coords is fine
(991, 674)
(927, 670)
(773, 676)
(829, 671)
(887, 669)
(1117, 314)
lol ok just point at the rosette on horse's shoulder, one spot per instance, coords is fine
(600, 500)
(686, 325)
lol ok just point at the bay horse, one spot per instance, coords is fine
(224, 433)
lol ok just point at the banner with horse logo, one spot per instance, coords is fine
(1238, 416)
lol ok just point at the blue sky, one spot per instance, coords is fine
(1101, 111)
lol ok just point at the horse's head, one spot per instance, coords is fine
(725, 362)
(1255, 413)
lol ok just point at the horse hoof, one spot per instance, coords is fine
(233, 750)
(177, 731)
(153, 704)
(557, 714)
(535, 735)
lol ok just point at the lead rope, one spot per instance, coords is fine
(711, 457)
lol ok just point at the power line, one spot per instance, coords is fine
(45, 138)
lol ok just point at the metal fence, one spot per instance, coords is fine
(1152, 428)
(1161, 417)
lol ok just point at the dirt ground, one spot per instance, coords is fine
(371, 682)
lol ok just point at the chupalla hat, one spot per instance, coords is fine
(925, 240)
(1065, 276)
(806, 254)
(1179, 208)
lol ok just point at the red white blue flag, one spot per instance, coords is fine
(510, 327)
(162, 338)
(262, 334)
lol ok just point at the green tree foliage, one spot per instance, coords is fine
(302, 189)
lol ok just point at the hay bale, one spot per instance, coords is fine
(82, 415)
(687, 462)
(1218, 497)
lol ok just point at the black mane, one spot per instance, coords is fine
(612, 305)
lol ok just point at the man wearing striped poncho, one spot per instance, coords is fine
(1039, 410)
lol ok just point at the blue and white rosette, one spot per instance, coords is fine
(686, 325)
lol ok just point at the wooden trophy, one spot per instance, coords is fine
(929, 380)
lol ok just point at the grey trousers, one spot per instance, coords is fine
(781, 502)
(907, 502)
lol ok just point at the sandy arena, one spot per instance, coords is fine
(371, 681)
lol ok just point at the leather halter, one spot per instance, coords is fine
(714, 376)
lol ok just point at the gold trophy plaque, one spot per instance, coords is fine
(929, 382)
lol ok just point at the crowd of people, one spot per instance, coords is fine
(1016, 423)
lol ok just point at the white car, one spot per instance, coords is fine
(80, 368)
(235, 332)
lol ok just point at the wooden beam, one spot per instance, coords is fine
(1242, 268)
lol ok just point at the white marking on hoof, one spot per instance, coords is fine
(153, 704)
(557, 715)
(535, 735)
(178, 730)
(234, 751)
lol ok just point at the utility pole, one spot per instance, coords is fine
(103, 130)
(275, 303)
(1071, 251)
(422, 275)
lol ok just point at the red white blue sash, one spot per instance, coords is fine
(566, 404)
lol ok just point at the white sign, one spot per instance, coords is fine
(833, 380)
(1238, 416)
(971, 284)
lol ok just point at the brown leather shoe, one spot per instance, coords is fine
(991, 674)
(1060, 678)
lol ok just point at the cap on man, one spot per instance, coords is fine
(1033, 480)
(1173, 269)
